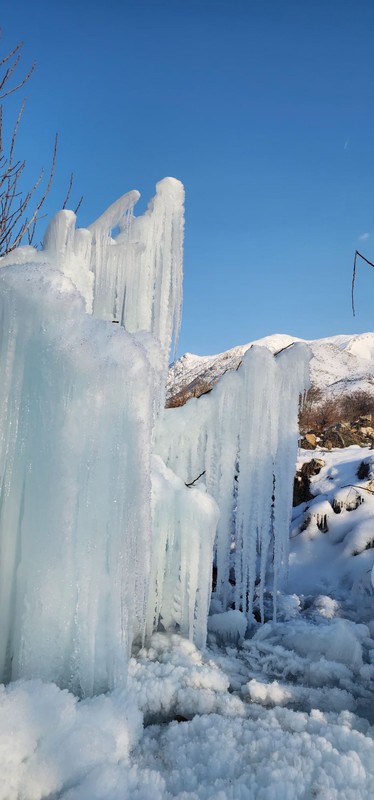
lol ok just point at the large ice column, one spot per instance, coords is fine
(69, 250)
(242, 437)
(75, 492)
(65, 249)
(128, 269)
(137, 263)
(184, 527)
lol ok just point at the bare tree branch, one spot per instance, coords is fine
(79, 205)
(17, 218)
(354, 276)
(68, 191)
(15, 54)
(194, 481)
(19, 209)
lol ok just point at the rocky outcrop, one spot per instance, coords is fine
(301, 489)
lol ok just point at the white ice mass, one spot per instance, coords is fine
(89, 561)
(115, 511)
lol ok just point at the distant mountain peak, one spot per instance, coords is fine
(342, 363)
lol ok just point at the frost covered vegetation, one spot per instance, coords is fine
(114, 514)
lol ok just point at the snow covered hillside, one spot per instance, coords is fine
(339, 364)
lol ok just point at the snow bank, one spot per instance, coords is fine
(200, 740)
(332, 535)
(50, 743)
(172, 679)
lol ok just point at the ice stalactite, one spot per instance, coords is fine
(184, 528)
(129, 269)
(137, 263)
(243, 438)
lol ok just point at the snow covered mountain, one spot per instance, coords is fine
(343, 363)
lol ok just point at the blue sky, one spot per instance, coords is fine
(263, 109)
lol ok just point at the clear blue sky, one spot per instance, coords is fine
(263, 109)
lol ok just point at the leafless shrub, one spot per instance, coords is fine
(356, 405)
(317, 414)
(19, 210)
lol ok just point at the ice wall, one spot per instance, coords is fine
(99, 541)
(95, 549)
(242, 439)
(75, 420)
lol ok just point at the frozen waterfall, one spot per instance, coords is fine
(75, 419)
(241, 438)
(101, 541)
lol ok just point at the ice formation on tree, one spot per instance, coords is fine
(100, 540)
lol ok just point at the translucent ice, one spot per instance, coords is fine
(101, 540)
(242, 439)
(184, 528)
(75, 420)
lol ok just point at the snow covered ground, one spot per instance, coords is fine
(284, 712)
(212, 730)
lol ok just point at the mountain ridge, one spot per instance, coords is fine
(340, 364)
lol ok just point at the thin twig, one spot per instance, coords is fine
(19, 85)
(68, 191)
(29, 223)
(196, 479)
(354, 275)
(79, 205)
(11, 54)
(354, 486)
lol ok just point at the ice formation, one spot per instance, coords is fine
(75, 409)
(138, 273)
(241, 439)
(78, 397)
(101, 541)
(184, 529)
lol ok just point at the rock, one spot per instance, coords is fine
(301, 488)
(311, 441)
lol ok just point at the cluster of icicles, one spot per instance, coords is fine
(101, 541)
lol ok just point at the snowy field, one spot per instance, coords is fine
(212, 730)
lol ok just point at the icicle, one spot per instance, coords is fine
(138, 271)
(184, 526)
(242, 438)
(69, 251)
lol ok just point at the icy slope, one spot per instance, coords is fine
(339, 364)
